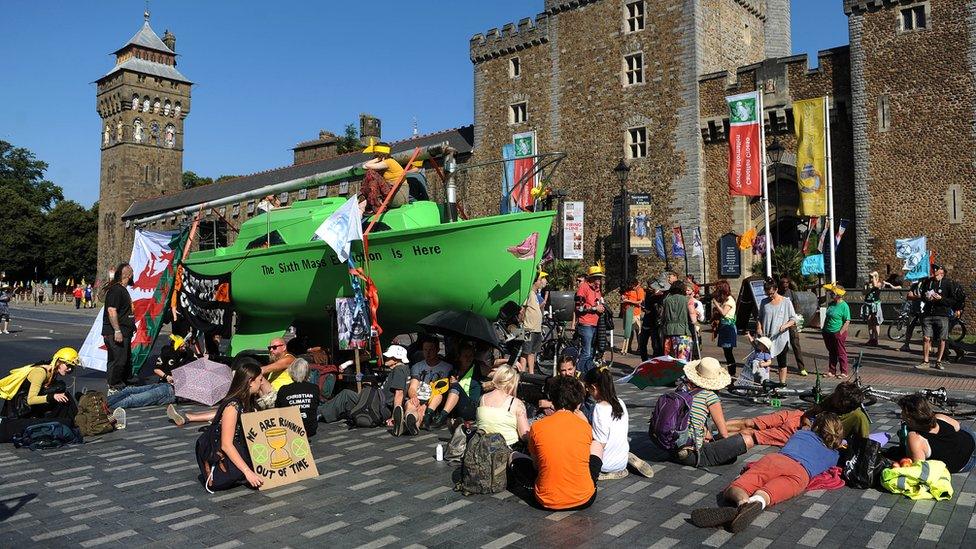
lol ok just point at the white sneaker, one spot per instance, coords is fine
(119, 415)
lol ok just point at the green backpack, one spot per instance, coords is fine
(484, 467)
(93, 415)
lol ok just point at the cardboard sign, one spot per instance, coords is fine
(278, 445)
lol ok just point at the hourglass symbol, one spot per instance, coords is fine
(277, 439)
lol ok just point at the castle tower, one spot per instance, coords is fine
(142, 102)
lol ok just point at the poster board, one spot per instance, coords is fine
(572, 230)
(729, 256)
(278, 445)
(639, 224)
(758, 291)
(352, 322)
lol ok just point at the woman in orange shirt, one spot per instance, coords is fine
(630, 302)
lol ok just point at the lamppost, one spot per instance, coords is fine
(622, 171)
(775, 151)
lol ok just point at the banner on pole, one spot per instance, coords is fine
(913, 251)
(744, 145)
(697, 249)
(572, 230)
(507, 204)
(841, 229)
(677, 242)
(659, 242)
(525, 147)
(811, 156)
(204, 301)
(639, 224)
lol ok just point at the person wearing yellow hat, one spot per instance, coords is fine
(382, 172)
(589, 308)
(37, 390)
(531, 321)
(834, 330)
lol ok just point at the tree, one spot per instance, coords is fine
(349, 141)
(22, 173)
(71, 237)
(21, 239)
(191, 180)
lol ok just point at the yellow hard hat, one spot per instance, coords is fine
(440, 386)
(543, 274)
(177, 341)
(370, 148)
(595, 270)
(66, 355)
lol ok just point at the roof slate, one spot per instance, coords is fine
(148, 67)
(147, 39)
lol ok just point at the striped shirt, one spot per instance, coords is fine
(699, 414)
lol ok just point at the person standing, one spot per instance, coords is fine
(4, 310)
(589, 308)
(78, 294)
(531, 319)
(651, 319)
(118, 326)
(676, 322)
(786, 289)
(776, 317)
(631, 301)
(834, 331)
(941, 298)
(89, 302)
(872, 304)
(915, 306)
(723, 307)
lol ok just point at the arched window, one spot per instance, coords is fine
(135, 101)
(106, 135)
(167, 107)
(170, 138)
(154, 132)
(137, 131)
(145, 104)
(177, 109)
(156, 105)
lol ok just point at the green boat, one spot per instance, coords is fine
(280, 277)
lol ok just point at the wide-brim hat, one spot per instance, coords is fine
(660, 285)
(765, 342)
(707, 373)
(397, 352)
(836, 289)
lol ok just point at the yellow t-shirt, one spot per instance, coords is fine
(392, 171)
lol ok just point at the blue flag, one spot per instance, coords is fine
(659, 241)
(812, 265)
(508, 180)
(921, 269)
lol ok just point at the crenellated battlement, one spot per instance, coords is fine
(510, 39)
(858, 7)
(756, 7)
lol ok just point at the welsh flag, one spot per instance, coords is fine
(154, 259)
(657, 372)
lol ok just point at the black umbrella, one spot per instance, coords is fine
(464, 324)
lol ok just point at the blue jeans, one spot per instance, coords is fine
(585, 359)
(145, 395)
(972, 459)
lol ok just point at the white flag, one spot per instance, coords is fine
(696, 244)
(342, 227)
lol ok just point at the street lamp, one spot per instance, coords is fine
(622, 171)
(775, 151)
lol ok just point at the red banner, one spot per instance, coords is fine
(744, 145)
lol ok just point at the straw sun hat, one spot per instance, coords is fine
(708, 373)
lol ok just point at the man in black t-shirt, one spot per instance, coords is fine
(941, 297)
(118, 326)
(302, 394)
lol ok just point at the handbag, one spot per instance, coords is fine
(862, 463)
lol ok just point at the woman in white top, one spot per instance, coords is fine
(610, 427)
(500, 411)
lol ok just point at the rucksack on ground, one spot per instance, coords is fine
(368, 410)
(671, 420)
(51, 434)
(484, 468)
(217, 471)
(93, 416)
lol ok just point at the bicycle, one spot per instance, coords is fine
(899, 327)
(558, 341)
(939, 398)
(772, 393)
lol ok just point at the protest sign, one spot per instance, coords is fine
(278, 445)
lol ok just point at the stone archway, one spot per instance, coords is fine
(784, 200)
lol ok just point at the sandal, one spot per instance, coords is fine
(178, 417)
(713, 516)
(745, 514)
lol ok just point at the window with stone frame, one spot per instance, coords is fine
(884, 113)
(236, 210)
(518, 112)
(637, 142)
(913, 18)
(635, 16)
(634, 69)
(514, 67)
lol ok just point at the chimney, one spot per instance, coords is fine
(322, 148)
(369, 126)
(170, 40)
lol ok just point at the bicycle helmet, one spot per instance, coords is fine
(68, 356)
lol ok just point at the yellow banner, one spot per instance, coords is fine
(811, 163)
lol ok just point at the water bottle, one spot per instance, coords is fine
(903, 438)
(439, 452)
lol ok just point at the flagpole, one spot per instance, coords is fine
(830, 192)
(765, 182)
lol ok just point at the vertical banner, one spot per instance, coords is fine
(677, 242)
(525, 148)
(811, 155)
(841, 229)
(812, 234)
(572, 230)
(659, 242)
(639, 224)
(507, 204)
(913, 251)
(697, 248)
(745, 152)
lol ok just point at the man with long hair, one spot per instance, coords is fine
(118, 326)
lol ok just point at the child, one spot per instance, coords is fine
(775, 478)
(757, 364)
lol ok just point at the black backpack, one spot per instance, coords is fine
(368, 410)
(217, 471)
(43, 436)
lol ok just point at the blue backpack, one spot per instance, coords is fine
(671, 420)
(51, 434)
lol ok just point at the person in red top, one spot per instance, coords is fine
(78, 294)
(564, 462)
(589, 307)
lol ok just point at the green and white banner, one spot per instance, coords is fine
(745, 177)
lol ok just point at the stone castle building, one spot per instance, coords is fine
(143, 102)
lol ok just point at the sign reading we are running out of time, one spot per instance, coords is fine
(278, 445)
(331, 260)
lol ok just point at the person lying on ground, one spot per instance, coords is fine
(775, 478)
(937, 436)
(610, 426)
(776, 428)
(301, 393)
(170, 357)
(423, 401)
(499, 410)
(702, 378)
(265, 399)
(564, 461)
(240, 399)
(466, 388)
(280, 358)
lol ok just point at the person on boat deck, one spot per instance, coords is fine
(382, 173)
(417, 181)
(281, 359)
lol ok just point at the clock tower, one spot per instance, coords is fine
(142, 102)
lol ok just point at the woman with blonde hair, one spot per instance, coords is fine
(872, 307)
(500, 411)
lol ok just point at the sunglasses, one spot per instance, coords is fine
(273, 347)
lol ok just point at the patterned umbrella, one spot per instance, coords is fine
(657, 372)
(202, 381)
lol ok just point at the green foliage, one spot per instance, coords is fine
(71, 236)
(787, 260)
(191, 180)
(349, 141)
(563, 273)
(21, 239)
(23, 174)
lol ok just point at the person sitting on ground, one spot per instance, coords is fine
(465, 391)
(392, 391)
(280, 358)
(937, 436)
(423, 401)
(170, 358)
(776, 428)
(775, 478)
(266, 395)
(565, 366)
(301, 393)
(756, 366)
(240, 399)
(382, 172)
(36, 393)
(500, 411)
(610, 426)
(702, 378)
(564, 461)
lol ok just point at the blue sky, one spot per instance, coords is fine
(267, 74)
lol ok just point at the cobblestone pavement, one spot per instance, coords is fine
(139, 487)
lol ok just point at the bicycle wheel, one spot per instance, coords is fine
(957, 330)
(897, 329)
(746, 391)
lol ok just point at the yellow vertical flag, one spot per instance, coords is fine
(811, 161)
